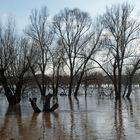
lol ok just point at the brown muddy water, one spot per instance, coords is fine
(92, 119)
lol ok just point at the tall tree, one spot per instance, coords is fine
(73, 28)
(41, 35)
(130, 73)
(56, 61)
(13, 62)
(121, 33)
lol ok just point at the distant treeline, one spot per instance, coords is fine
(97, 79)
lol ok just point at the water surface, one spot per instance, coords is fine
(91, 119)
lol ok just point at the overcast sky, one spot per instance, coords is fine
(21, 9)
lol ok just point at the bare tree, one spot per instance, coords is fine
(41, 35)
(73, 28)
(13, 62)
(130, 73)
(121, 33)
(89, 52)
(56, 62)
(18, 71)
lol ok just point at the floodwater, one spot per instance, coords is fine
(96, 118)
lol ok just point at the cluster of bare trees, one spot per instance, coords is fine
(70, 43)
(121, 46)
(13, 62)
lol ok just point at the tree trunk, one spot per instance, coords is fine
(126, 86)
(130, 80)
(70, 85)
(117, 93)
(129, 86)
(12, 98)
(46, 106)
(34, 106)
(119, 83)
(115, 82)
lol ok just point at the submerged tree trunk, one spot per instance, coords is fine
(79, 83)
(34, 106)
(130, 80)
(131, 76)
(70, 85)
(13, 98)
(46, 105)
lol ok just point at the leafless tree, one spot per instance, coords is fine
(41, 35)
(56, 63)
(130, 73)
(13, 62)
(73, 28)
(121, 33)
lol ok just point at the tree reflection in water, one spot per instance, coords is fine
(11, 120)
(118, 120)
(130, 107)
(80, 119)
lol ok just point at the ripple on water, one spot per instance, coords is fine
(93, 119)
